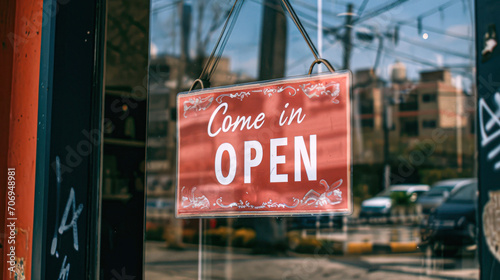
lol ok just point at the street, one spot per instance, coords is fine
(228, 263)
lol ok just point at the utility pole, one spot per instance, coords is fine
(270, 233)
(273, 41)
(387, 123)
(348, 36)
(185, 12)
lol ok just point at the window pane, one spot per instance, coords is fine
(412, 127)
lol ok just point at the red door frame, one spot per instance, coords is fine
(20, 32)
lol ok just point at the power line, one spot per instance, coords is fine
(409, 57)
(325, 11)
(362, 7)
(436, 48)
(377, 11)
(442, 32)
(413, 42)
(307, 5)
(394, 4)
(161, 8)
(430, 12)
(310, 21)
(426, 46)
(297, 62)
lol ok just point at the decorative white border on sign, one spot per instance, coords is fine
(331, 196)
(193, 201)
(321, 89)
(246, 204)
(313, 197)
(309, 90)
(239, 95)
(270, 91)
(197, 104)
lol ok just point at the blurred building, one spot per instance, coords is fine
(432, 111)
(165, 83)
(429, 116)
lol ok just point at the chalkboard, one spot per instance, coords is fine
(488, 131)
(68, 152)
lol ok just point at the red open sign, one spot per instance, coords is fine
(275, 148)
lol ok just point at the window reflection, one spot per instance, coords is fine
(413, 126)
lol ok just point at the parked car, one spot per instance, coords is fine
(314, 222)
(439, 192)
(381, 204)
(452, 225)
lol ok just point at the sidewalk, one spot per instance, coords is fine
(370, 239)
(162, 263)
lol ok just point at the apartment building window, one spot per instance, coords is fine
(367, 106)
(429, 124)
(429, 97)
(409, 126)
(410, 103)
(367, 123)
(472, 125)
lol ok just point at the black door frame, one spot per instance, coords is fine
(69, 128)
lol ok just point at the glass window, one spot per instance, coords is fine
(439, 190)
(427, 98)
(429, 123)
(412, 65)
(409, 103)
(409, 126)
(367, 123)
(465, 194)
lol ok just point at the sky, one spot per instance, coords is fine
(445, 36)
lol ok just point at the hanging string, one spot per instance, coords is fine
(305, 35)
(225, 36)
(214, 58)
(301, 28)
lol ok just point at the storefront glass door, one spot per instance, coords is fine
(413, 140)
